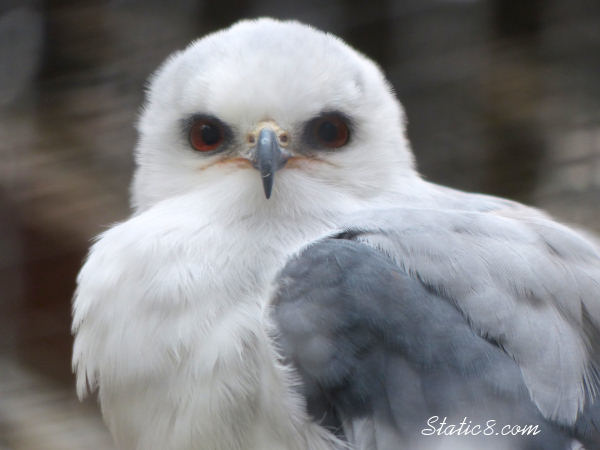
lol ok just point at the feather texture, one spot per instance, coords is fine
(381, 354)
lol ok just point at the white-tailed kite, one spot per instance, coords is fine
(288, 280)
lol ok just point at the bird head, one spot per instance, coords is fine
(270, 113)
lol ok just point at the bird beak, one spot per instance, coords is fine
(269, 157)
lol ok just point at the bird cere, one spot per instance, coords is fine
(287, 280)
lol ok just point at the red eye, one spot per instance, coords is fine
(206, 134)
(331, 131)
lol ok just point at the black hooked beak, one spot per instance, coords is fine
(269, 157)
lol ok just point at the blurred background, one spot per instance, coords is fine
(502, 97)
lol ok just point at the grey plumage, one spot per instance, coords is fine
(377, 323)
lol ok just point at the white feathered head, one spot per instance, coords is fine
(270, 109)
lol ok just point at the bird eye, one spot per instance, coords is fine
(331, 131)
(206, 134)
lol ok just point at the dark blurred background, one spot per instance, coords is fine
(502, 96)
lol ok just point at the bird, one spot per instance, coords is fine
(288, 280)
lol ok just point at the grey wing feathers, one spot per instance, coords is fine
(379, 353)
(524, 281)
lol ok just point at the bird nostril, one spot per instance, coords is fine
(283, 138)
(251, 138)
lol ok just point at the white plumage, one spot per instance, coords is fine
(171, 314)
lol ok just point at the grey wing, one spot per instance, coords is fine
(380, 354)
(521, 279)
